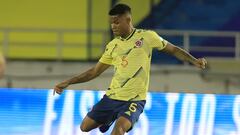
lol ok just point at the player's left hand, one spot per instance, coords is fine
(201, 63)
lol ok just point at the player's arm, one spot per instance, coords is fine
(84, 77)
(184, 55)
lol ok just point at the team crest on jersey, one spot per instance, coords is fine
(139, 43)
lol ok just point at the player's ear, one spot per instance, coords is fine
(129, 18)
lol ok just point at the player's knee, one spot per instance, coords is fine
(84, 127)
(118, 130)
(121, 126)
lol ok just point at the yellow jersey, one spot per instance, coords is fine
(131, 58)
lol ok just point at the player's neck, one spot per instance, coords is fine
(129, 32)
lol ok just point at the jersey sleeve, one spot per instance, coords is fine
(106, 58)
(156, 41)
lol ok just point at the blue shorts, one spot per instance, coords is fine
(107, 110)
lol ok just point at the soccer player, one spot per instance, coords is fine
(130, 53)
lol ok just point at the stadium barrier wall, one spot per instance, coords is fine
(38, 112)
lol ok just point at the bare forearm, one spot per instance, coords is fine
(184, 55)
(84, 77)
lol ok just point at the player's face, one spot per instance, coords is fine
(119, 25)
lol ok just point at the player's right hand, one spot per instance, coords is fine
(60, 87)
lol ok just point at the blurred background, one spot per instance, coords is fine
(47, 41)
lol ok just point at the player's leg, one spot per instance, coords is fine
(128, 116)
(121, 126)
(100, 114)
(88, 124)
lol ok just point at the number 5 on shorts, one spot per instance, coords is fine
(132, 107)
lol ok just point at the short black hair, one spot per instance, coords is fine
(120, 9)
